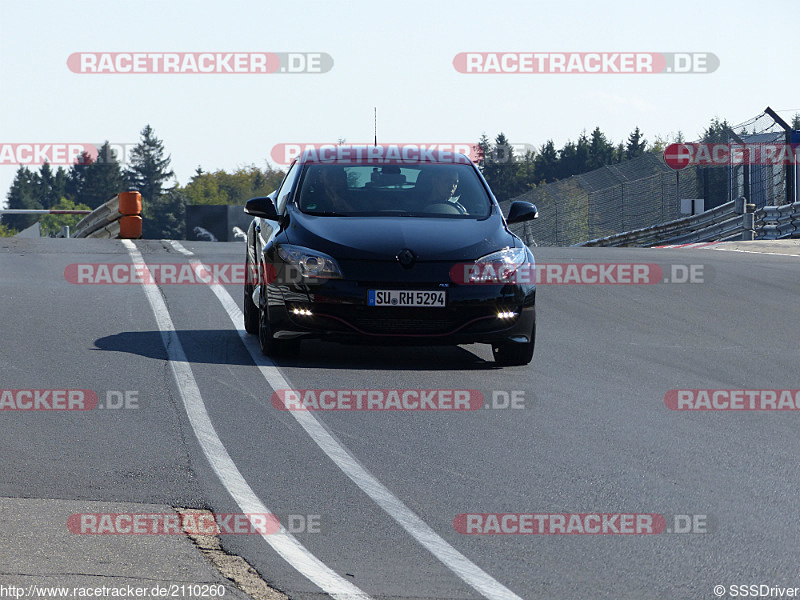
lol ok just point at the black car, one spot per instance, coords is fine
(382, 248)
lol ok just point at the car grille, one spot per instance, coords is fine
(396, 325)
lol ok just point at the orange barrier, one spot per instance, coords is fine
(130, 227)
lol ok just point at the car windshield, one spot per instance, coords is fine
(416, 190)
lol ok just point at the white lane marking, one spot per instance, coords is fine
(284, 543)
(755, 252)
(459, 564)
(690, 246)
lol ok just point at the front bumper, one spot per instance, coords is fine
(339, 312)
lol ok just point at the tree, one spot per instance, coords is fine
(500, 169)
(23, 195)
(619, 153)
(717, 132)
(235, 188)
(526, 170)
(95, 182)
(573, 158)
(165, 217)
(149, 167)
(483, 150)
(499, 166)
(796, 122)
(51, 224)
(50, 186)
(601, 151)
(636, 145)
(163, 214)
(546, 163)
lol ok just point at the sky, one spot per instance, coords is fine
(396, 57)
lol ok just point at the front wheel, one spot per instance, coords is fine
(250, 311)
(514, 354)
(269, 345)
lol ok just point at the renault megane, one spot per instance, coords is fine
(368, 245)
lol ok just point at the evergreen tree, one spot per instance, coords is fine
(483, 150)
(51, 186)
(636, 145)
(526, 170)
(149, 167)
(566, 160)
(166, 217)
(502, 169)
(619, 153)
(24, 195)
(546, 163)
(95, 182)
(796, 122)
(574, 157)
(717, 132)
(601, 151)
(163, 214)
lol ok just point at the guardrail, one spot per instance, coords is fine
(41, 211)
(721, 220)
(120, 217)
(776, 222)
(730, 221)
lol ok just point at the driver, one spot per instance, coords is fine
(444, 187)
(438, 187)
(334, 188)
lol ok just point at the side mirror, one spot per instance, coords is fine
(520, 211)
(263, 207)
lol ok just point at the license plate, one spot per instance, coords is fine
(406, 298)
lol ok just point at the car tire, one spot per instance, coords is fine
(514, 354)
(269, 345)
(250, 309)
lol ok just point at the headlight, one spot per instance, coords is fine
(310, 263)
(503, 263)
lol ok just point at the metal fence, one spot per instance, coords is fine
(645, 192)
(763, 184)
(629, 195)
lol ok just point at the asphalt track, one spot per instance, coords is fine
(594, 435)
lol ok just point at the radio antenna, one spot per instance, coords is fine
(375, 109)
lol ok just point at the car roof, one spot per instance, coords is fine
(380, 154)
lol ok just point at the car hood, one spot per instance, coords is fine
(382, 238)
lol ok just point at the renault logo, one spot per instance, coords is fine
(406, 258)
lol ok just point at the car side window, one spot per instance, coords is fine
(286, 187)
